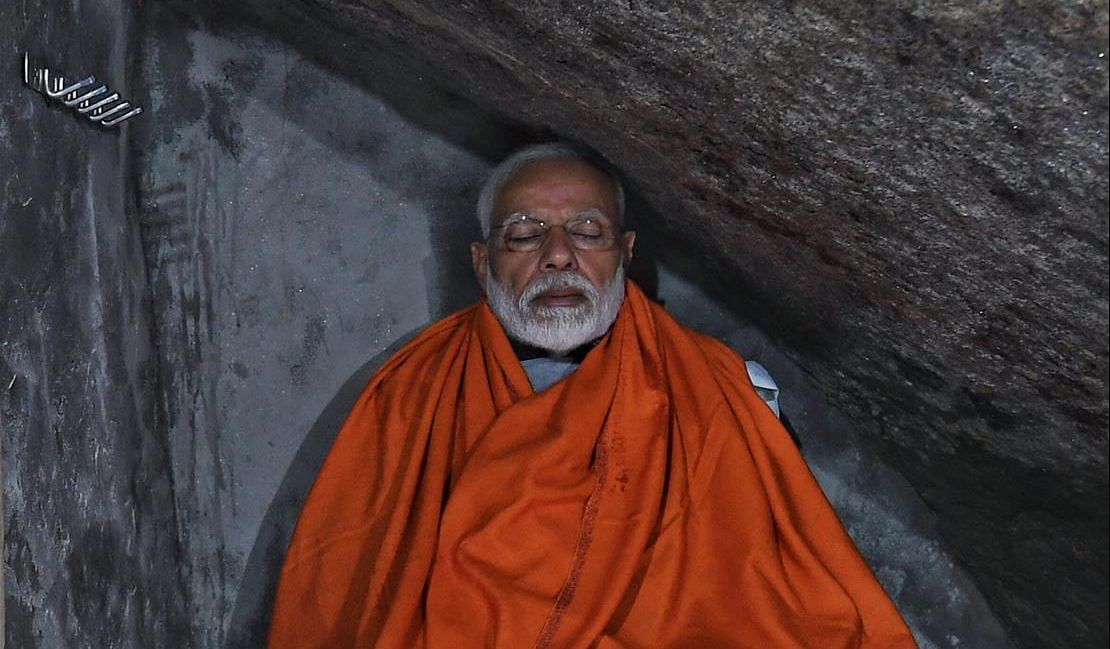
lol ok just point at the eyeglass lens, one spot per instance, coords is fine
(527, 234)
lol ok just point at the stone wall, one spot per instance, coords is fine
(90, 547)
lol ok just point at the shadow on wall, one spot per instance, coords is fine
(254, 600)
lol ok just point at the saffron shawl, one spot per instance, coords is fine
(650, 499)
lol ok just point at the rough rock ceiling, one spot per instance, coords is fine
(912, 196)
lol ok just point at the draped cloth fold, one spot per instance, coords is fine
(650, 499)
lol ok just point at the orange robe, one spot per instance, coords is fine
(650, 499)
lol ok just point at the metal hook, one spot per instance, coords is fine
(85, 97)
(103, 102)
(128, 115)
(62, 92)
(32, 79)
(101, 116)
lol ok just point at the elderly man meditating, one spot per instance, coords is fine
(564, 465)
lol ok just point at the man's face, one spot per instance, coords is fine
(556, 192)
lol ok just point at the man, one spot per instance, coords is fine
(564, 465)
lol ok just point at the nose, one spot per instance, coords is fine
(557, 253)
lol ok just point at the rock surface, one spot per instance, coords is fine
(90, 541)
(912, 197)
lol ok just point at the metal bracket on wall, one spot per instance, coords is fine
(97, 105)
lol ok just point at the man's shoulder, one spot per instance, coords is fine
(728, 364)
(720, 356)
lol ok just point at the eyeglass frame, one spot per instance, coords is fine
(592, 214)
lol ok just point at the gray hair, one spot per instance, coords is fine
(504, 172)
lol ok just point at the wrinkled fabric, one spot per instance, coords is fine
(650, 499)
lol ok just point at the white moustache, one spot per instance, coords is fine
(559, 282)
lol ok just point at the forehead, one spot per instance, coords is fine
(557, 185)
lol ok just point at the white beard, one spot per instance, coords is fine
(556, 329)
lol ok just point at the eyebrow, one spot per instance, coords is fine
(593, 212)
(590, 212)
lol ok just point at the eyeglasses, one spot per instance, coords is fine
(526, 233)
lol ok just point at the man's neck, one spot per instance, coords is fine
(525, 351)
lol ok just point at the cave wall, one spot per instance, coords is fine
(299, 224)
(90, 550)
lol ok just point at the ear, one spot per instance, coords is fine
(479, 259)
(628, 240)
